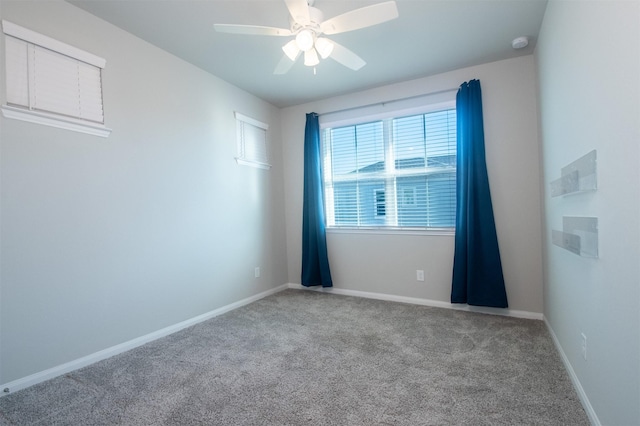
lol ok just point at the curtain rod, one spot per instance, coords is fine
(389, 101)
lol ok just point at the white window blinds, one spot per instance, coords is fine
(52, 83)
(252, 142)
(398, 172)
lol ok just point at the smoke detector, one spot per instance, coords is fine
(520, 42)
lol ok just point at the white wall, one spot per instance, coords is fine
(105, 240)
(589, 69)
(387, 263)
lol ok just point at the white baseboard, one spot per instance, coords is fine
(586, 404)
(424, 302)
(59, 370)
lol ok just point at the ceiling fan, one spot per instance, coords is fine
(308, 25)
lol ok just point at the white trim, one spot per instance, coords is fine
(368, 114)
(391, 230)
(51, 44)
(586, 404)
(244, 162)
(59, 370)
(424, 302)
(54, 120)
(250, 120)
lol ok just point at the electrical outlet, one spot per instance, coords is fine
(257, 272)
(419, 275)
(584, 346)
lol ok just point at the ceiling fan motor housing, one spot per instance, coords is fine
(316, 16)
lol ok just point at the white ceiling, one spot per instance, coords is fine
(429, 37)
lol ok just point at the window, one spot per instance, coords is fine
(407, 196)
(52, 83)
(252, 142)
(397, 172)
(380, 203)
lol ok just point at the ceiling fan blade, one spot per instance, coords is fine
(284, 65)
(361, 18)
(299, 10)
(346, 57)
(251, 30)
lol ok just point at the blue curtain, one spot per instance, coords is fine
(477, 269)
(315, 262)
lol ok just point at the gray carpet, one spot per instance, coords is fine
(307, 358)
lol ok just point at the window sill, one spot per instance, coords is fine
(392, 231)
(250, 163)
(53, 120)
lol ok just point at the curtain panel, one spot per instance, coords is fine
(477, 268)
(315, 261)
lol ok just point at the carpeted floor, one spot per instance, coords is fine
(308, 358)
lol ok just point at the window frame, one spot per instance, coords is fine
(35, 41)
(252, 151)
(354, 119)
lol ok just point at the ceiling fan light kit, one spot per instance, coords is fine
(307, 25)
(324, 46)
(304, 39)
(292, 50)
(311, 58)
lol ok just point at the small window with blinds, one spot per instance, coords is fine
(252, 142)
(395, 173)
(52, 83)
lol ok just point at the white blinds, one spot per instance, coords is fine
(50, 78)
(396, 172)
(44, 80)
(17, 71)
(252, 142)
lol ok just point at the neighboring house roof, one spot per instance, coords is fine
(411, 163)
